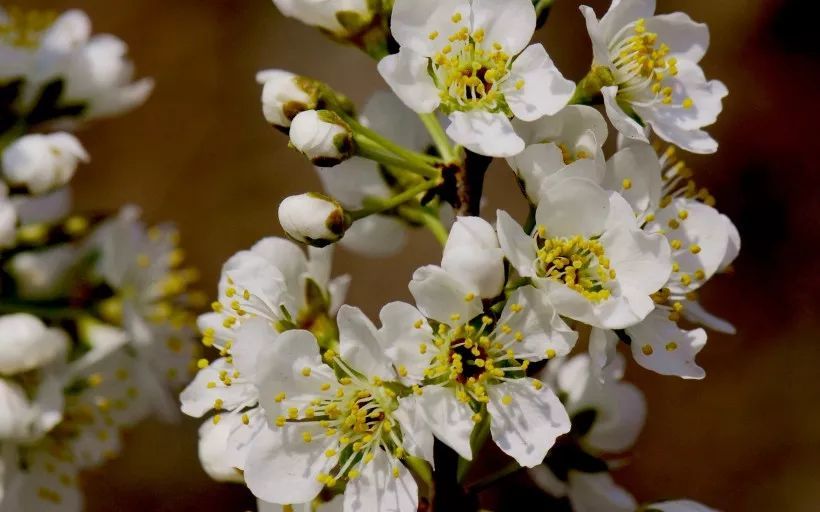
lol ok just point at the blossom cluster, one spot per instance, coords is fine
(311, 404)
(97, 326)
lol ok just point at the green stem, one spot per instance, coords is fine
(56, 313)
(427, 219)
(489, 480)
(392, 146)
(420, 468)
(395, 201)
(367, 148)
(440, 139)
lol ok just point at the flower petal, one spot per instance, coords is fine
(213, 445)
(354, 180)
(685, 38)
(282, 468)
(359, 344)
(414, 22)
(199, 397)
(404, 329)
(484, 133)
(376, 236)
(450, 419)
(536, 87)
(623, 12)
(658, 344)
(620, 119)
(596, 492)
(635, 173)
(508, 22)
(384, 485)
(406, 73)
(472, 255)
(575, 206)
(526, 427)
(443, 298)
(416, 433)
(517, 245)
(543, 333)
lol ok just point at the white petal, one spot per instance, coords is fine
(508, 22)
(597, 492)
(618, 431)
(213, 445)
(620, 120)
(484, 133)
(283, 468)
(404, 330)
(472, 255)
(600, 43)
(442, 297)
(639, 164)
(241, 438)
(544, 333)
(733, 248)
(685, 38)
(544, 478)
(623, 12)
(386, 113)
(416, 434)
(450, 419)
(517, 245)
(694, 312)
(199, 397)
(376, 236)
(378, 489)
(413, 22)
(602, 351)
(406, 73)
(527, 427)
(536, 164)
(359, 344)
(543, 89)
(575, 206)
(658, 344)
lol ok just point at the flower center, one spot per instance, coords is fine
(470, 358)
(23, 28)
(642, 65)
(578, 262)
(467, 73)
(356, 413)
(571, 155)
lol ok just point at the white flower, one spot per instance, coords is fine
(26, 343)
(471, 59)
(95, 74)
(588, 255)
(325, 427)
(471, 364)
(678, 506)
(566, 144)
(322, 136)
(313, 219)
(285, 95)
(151, 299)
(274, 281)
(654, 66)
(42, 275)
(340, 17)
(334, 505)
(354, 181)
(703, 242)
(42, 162)
(8, 219)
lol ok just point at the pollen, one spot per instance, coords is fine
(647, 350)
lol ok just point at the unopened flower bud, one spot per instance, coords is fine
(339, 17)
(323, 137)
(285, 95)
(313, 219)
(42, 162)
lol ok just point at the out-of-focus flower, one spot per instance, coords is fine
(42, 162)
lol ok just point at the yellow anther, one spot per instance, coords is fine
(306, 371)
(506, 400)
(626, 184)
(694, 249)
(433, 35)
(456, 17)
(246, 419)
(469, 297)
(307, 437)
(647, 350)
(671, 346)
(688, 103)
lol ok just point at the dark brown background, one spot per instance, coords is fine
(199, 153)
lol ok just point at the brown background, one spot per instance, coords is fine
(199, 153)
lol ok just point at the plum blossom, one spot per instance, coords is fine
(471, 59)
(653, 60)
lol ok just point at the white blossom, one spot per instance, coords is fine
(42, 162)
(654, 64)
(470, 58)
(588, 255)
(319, 423)
(26, 343)
(322, 136)
(313, 219)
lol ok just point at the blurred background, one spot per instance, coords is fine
(199, 153)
